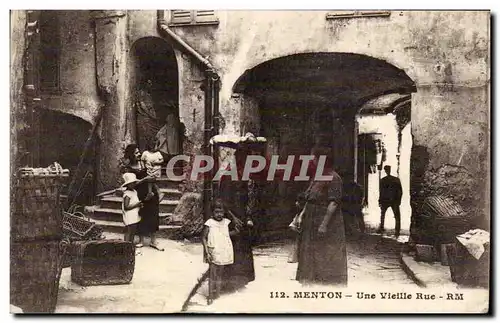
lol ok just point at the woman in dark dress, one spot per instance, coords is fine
(322, 255)
(241, 203)
(150, 212)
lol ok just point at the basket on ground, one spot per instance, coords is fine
(441, 220)
(466, 270)
(103, 262)
(35, 269)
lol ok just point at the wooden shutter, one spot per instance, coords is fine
(204, 16)
(181, 17)
(193, 17)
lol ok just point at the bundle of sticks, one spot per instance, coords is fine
(119, 189)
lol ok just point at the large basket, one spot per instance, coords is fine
(441, 220)
(35, 269)
(36, 214)
(104, 262)
(46, 185)
(466, 270)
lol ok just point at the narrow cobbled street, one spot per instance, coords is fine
(373, 265)
(162, 281)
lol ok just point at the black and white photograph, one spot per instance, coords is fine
(178, 161)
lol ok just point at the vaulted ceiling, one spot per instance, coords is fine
(335, 80)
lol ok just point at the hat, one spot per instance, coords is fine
(129, 178)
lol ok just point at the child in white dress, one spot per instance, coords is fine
(130, 206)
(218, 248)
(153, 160)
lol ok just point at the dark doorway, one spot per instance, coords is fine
(156, 92)
(62, 139)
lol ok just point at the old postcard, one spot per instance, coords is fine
(211, 161)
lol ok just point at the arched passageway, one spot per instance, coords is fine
(293, 99)
(63, 137)
(155, 86)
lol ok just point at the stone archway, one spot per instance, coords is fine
(155, 92)
(292, 99)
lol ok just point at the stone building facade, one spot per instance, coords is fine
(286, 75)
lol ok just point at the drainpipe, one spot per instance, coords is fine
(211, 88)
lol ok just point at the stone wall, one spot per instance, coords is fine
(18, 112)
(78, 89)
(444, 53)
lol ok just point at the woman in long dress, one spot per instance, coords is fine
(150, 211)
(240, 202)
(322, 256)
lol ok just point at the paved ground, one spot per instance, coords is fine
(371, 262)
(160, 284)
(162, 280)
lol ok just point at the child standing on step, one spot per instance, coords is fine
(130, 206)
(153, 160)
(218, 248)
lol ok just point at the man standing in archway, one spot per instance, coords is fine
(390, 197)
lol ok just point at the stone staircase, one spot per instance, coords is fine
(108, 214)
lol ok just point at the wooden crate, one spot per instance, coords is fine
(103, 262)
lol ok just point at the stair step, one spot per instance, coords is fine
(168, 183)
(115, 202)
(108, 214)
(119, 212)
(118, 199)
(105, 223)
(165, 230)
(170, 191)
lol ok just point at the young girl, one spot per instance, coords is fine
(218, 248)
(153, 160)
(130, 206)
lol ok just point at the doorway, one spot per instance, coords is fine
(156, 96)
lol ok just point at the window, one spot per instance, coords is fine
(357, 14)
(49, 51)
(193, 17)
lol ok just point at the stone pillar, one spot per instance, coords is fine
(111, 55)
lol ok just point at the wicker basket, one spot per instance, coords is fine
(441, 220)
(36, 214)
(35, 269)
(466, 270)
(36, 219)
(46, 185)
(77, 228)
(104, 262)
